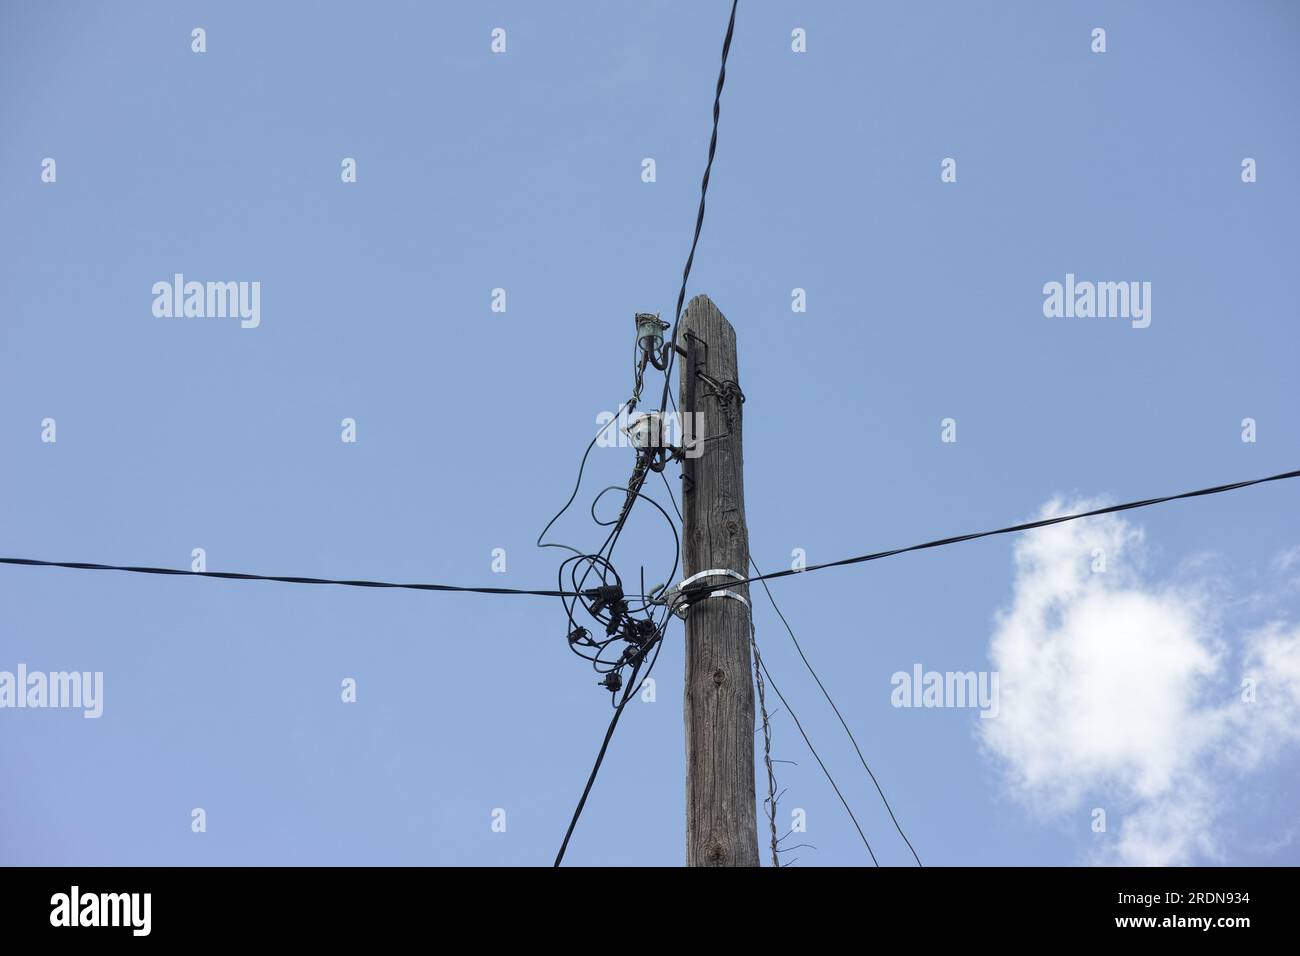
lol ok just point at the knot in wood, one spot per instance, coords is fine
(716, 852)
(719, 678)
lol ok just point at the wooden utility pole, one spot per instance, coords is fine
(721, 829)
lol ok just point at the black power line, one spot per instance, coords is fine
(843, 723)
(633, 685)
(283, 579)
(1027, 526)
(699, 218)
(802, 733)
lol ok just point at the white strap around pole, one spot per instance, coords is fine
(681, 609)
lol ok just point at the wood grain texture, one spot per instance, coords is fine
(721, 825)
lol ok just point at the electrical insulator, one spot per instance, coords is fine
(650, 332)
(645, 431)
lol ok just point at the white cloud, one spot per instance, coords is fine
(1288, 564)
(1119, 693)
(1288, 559)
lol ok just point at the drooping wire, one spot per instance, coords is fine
(577, 484)
(834, 786)
(607, 607)
(843, 723)
(677, 542)
(618, 618)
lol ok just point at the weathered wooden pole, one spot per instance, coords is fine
(721, 829)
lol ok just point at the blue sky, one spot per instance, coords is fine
(522, 171)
